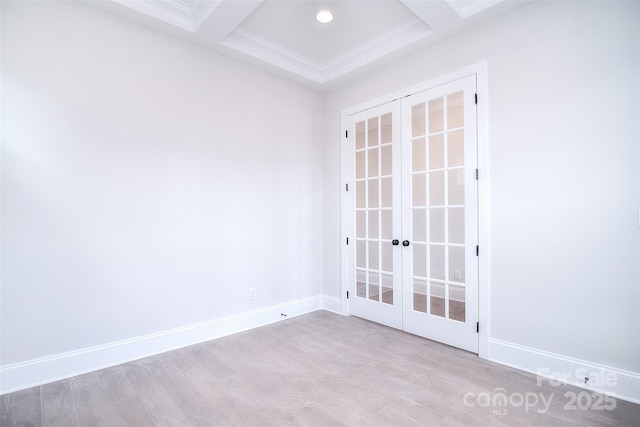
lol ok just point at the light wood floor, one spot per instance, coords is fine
(320, 369)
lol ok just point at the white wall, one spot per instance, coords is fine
(563, 85)
(146, 183)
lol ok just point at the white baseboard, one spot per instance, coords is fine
(332, 304)
(19, 376)
(614, 382)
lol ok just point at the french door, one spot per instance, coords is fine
(412, 214)
(374, 210)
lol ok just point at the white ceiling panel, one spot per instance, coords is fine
(292, 24)
(284, 35)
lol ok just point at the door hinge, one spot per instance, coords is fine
(476, 98)
(347, 187)
(477, 173)
(477, 250)
(347, 294)
(346, 134)
(347, 240)
(477, 326)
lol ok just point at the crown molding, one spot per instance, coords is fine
(397, 37)
(202, 9)
(391, 40)
(467, 8)
(264, 49)
(184, 14)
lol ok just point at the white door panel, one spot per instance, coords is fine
(440, 272)
(373, 212)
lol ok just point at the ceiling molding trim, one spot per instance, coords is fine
(186, 15)
(170, 12)
(467, 8)
(399, 36)
(176, 7)
(201, 10)
(261, 48)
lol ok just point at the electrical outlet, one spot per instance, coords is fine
(457, 275)
(252, 293)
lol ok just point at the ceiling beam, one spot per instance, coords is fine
(436, 14)
(226, 16)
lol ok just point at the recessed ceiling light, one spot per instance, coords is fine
(324, 17)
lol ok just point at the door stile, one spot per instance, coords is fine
(373, 214)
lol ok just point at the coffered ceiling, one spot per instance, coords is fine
(284, 36)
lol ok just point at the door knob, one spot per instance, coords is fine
(395, 242)
(405, 243)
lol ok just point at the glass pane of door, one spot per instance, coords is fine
(374, 186)
(374, 173)
(437, 206)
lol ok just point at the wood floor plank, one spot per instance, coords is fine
(625, 413)
(194, 392)
(4, 409)
(22, 408)
(392, 417)
(106, 398)
(428, 415)
(162, 409)
(317, 416)
(214, 366)
(58, 405)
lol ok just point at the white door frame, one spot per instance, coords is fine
(480, 71)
